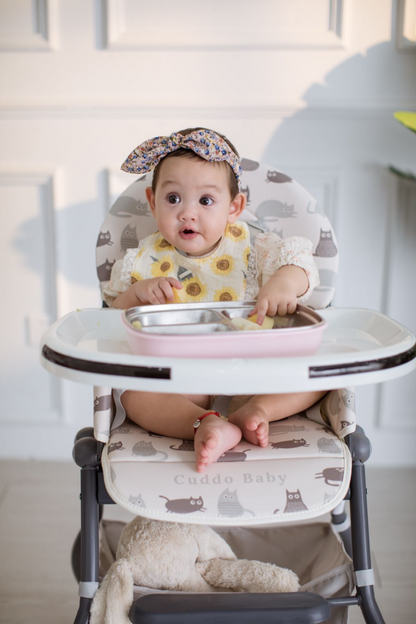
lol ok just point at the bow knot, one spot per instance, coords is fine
(205, 143)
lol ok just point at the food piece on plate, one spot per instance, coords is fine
(137, 324)
(244, 324)
(268, 322)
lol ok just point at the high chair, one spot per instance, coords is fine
(314, 462)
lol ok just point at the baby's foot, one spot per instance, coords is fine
(214, 437)
(253, 421)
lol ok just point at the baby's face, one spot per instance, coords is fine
(192, 204)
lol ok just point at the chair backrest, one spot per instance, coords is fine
(275, 203)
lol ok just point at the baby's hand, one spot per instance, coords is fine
(277, 296)
(156, 290)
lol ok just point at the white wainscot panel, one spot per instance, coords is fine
(397, 399)
(28, 25)
(136, 24)
(28, 393)
(406, 25)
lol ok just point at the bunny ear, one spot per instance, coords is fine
(250, 576)
(113, 599)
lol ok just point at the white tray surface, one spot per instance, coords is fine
(353, 335)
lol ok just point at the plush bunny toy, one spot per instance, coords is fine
(184, 557)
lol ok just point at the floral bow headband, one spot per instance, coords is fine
(205, 143)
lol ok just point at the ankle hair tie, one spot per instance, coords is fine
(198, 420)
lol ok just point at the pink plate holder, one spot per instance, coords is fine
(206, 330)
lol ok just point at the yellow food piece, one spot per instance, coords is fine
(137, 324)
(243, 324)
(251, 324)
(177, 294)
(267, 323)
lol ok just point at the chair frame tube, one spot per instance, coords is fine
(87, 453)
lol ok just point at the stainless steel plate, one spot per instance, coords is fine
(203, 318)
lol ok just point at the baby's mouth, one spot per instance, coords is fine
(188, 233)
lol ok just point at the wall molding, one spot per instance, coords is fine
(36, 324)
(44, 34)
(398, 301)
(406, 26)
(117, 33)
(131, 110)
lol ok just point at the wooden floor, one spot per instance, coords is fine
(39, 517)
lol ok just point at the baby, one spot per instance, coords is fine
(202, 252)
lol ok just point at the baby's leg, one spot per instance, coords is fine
(174, 415)
(253, 417)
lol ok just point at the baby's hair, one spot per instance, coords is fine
(188, 153)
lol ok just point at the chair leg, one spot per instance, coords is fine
(85, 455)
(342, 525)
(361, 545)
(83, 613)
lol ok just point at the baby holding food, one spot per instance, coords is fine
(202, 252)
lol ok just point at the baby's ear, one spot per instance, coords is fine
(236, 207)
(151, 199)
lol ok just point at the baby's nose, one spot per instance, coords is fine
(187, 211)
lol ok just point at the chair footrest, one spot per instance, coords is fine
(296, 608)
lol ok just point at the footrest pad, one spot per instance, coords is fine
(296, 608)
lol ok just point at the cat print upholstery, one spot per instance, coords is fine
(247, 483)
(275, 203)
(103, 413)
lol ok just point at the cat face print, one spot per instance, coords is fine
(326, 247)
(104, 271)
(129, 238)
(104, 238)
(277, 177)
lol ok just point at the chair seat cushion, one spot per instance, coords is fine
(303, 473)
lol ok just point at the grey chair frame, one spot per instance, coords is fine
(293, 608)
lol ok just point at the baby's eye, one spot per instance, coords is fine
(206, 201)
(173, 198)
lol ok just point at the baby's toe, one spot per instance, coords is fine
(263, 434)
(252, 423)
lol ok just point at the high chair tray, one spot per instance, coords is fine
(358, 347)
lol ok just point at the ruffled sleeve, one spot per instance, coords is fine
(120, 280)
(252, 283)
(274, 252)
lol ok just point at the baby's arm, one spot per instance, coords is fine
(150, 291)
(279, 295)
(287, 272)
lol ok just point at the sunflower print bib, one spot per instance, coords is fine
(219, 276)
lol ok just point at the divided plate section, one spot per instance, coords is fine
(211, 318)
